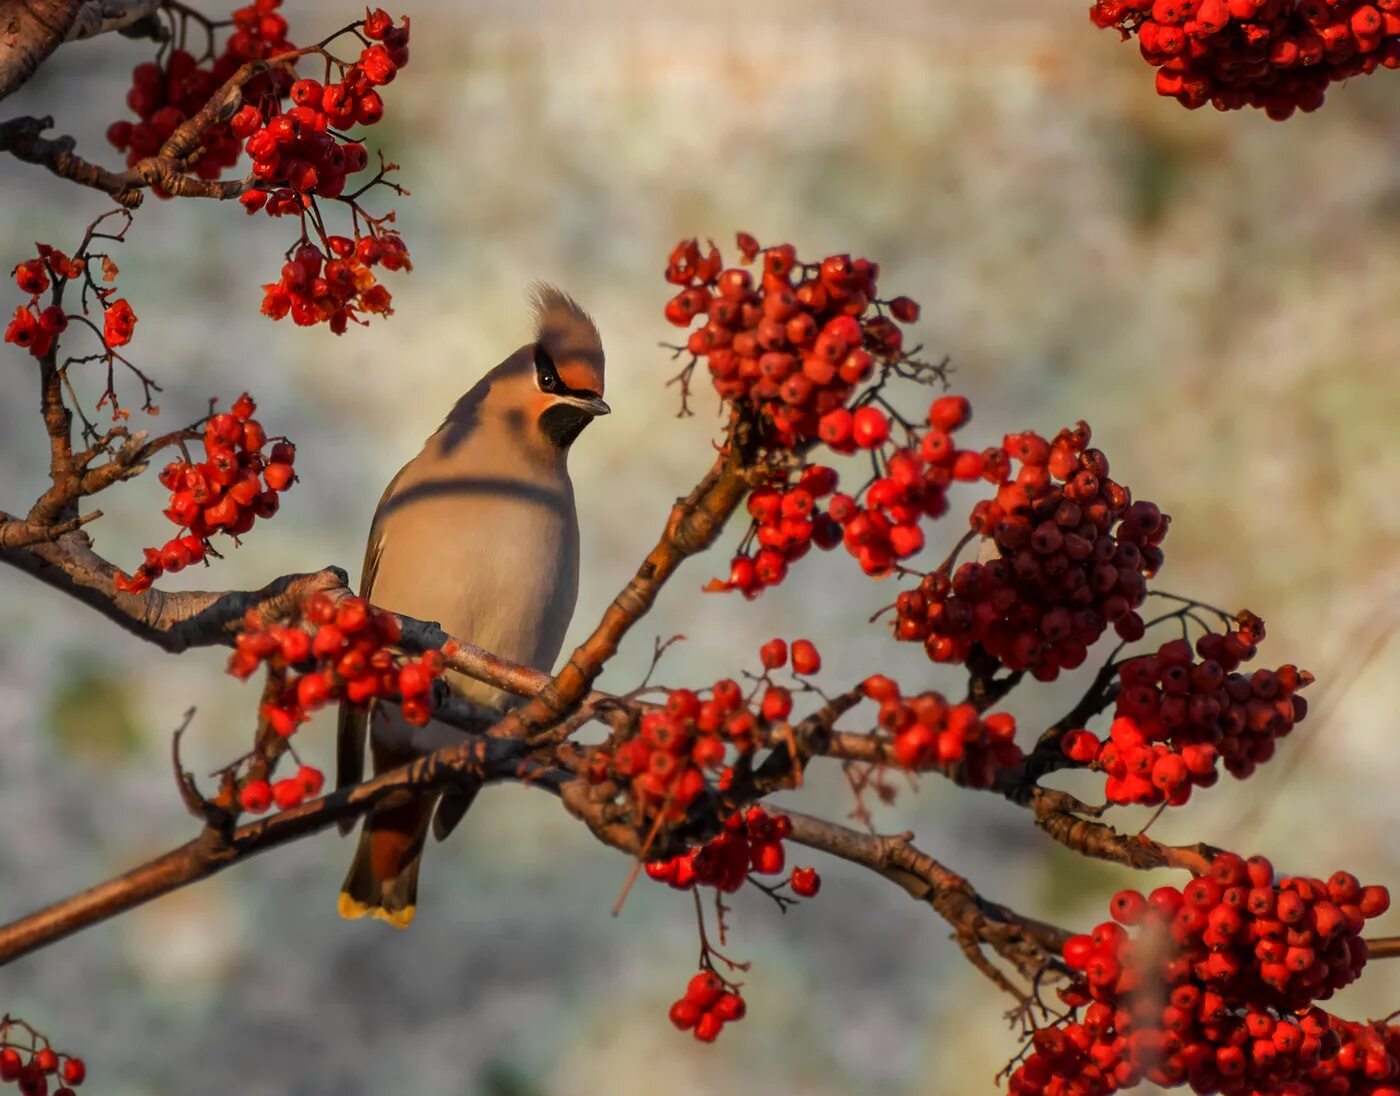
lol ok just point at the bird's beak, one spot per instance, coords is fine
(592, 405)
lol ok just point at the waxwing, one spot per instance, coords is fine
(478, 532)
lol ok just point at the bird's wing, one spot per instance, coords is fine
(354, 718)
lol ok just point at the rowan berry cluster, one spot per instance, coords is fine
(709, 1003)
(797, 344)
(929, 732)
(235, 484)
(1278, 55)
(1073, 553)
(33, 1067)
(294, 131)
(1178, 718)
(335, 651)
(338, 285)
(34, 328)
(301, 154)
(167, 92)
(1214, 987)
(1367, 1061)
(750, 843)
(678, 746)
(257, 795)
(880, 525)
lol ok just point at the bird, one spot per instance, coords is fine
(480, 533)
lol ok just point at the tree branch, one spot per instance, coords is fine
(476, 759)
(694, 524)
(30, 30)
(1030, 946)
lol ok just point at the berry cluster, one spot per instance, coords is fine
(879, 526)
(1073, 553)
(165, 94)
(257, 795)
(929, 732)
(751, 843)
(337, 285)
(301, 154)
(337, 650)
(34, 328)
(294, 131)
(1278, 55)
(233, 486)
(1178, 718)
(1367, 1061)
(709, 1003)
(1215, 988)
(797, 344)
(32, 1067)
(665, 766)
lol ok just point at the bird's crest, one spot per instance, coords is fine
(565, 329)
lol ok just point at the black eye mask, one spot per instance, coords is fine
(561, 423)
(548, 379)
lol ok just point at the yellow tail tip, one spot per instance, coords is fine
(352, 909)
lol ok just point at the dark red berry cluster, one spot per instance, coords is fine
(300, 154)
(295, 133)
(709, 1003)
(1214, 987)
(167, 92)
(233, 486)
(338, 285)
(798, 342)
(929, 732)
(1178, 718)
(751, 843)
(1072, 556)
(1367, 1062)
(1278, 55)
(335, 650)
(257, 795)
(880, 525)
(680, 745)
(33, 1067)
(34, 328)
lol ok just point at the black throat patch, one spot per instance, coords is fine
(562, 423)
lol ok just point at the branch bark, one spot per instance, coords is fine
(477, 759)
(30, 30)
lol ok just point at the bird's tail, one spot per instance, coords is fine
(383, 879)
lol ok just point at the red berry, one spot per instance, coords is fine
(708, 1027)
(806, 882)
(730, 1007)
(255, 796)
(949, 412)
(870, 428)
(684, 1014)
(805, 658)
(773, 654)
(287, 793)
(311, 781)
(904, 309)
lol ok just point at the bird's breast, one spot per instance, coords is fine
(493, 560)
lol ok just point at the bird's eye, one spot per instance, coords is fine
(546, 376)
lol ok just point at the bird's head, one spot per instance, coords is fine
(567, 360)
(545, 393)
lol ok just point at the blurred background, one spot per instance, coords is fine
(1215, 294)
